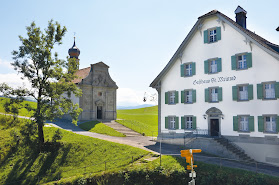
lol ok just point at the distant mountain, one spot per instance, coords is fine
(135, 107)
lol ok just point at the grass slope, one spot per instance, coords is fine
(101, 128)
(143, 120)
(72, 155)
(23, 111)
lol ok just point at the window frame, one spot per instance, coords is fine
(210, 94)
(237, 61)
(238, 92)
(264, 122)
(171, 103)
(185, 96)
(264, 93)
(172, 121)
(208, 34)
(209, 65)
(185, 123)
(239, 123)
(185, 69)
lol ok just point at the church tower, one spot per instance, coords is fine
(74, 52)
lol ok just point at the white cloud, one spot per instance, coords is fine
(131, 97)
(14, 80)
(5, 64)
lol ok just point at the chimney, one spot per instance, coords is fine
(240, 15)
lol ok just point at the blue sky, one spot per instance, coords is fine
(136, 38)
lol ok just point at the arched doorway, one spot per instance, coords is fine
(214, 116)
(100, 109)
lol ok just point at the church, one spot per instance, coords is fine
(223, 82)
(98, 100)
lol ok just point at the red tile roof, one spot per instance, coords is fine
(82, 73)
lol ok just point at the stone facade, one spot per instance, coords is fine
(98, 100)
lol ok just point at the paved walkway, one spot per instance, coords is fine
(135, 140)
(120, 128)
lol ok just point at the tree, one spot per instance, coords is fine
(50, 77)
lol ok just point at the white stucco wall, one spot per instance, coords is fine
(265, 68)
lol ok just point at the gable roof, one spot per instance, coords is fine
(272, 49)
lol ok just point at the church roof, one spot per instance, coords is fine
(82, 73)
(267, 46)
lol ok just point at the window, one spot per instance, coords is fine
(242, 92)
(188, 69)
(188, 96)
(213, 94)
(268, 90)
(268, 123)
(212, 35)
(171, 122)
(241, 61)
(171, 97)
(188, 122)
(212, 66)
(243, 123)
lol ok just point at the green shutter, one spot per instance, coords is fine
(193, 68)
(194, 119)
(206, 93)
(260, 123)
(250, 92)
(251, 123)
(233, 61)
(182, 69)
(176, 96)
(218, 33)
(166, 97)
(205, 36)
(260, 91)
(220, 97)
(219, 65)
(277, 89)
(234, 92)
(182, 122)
(277, 123)
(249, 60)
(176, 122)
(194, 96)
(167, 122)
(206, 67)
(182, 96)
(235, 123)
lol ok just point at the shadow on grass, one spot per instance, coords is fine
(26, 171)
(88, 125)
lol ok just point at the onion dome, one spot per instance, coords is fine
(74, 51)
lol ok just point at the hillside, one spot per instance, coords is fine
(23, 111)
(71, 156)
(143, 120)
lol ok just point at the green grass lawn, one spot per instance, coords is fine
(101, 128)
(144, 120)
(71, 156)
(23, 111)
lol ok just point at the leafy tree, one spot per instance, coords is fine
(50, 77)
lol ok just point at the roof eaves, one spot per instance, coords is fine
(176, 54)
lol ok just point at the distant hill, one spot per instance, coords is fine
(134, 107)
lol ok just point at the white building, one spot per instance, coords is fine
(223, 79)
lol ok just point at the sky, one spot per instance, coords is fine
(136, 38)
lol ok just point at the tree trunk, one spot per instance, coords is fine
(41, 135)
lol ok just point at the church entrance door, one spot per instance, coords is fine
(99, 112)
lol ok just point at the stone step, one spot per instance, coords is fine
(122, 129)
